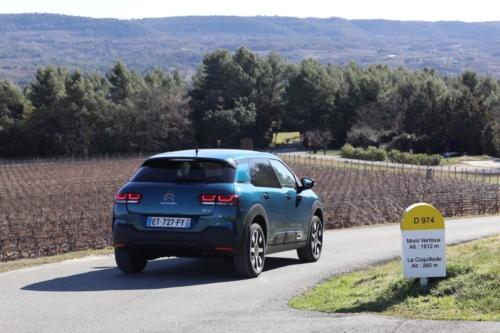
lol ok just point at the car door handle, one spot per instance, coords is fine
(267, 196)
(289, 196)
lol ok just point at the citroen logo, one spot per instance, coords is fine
(168, 199)
(168, 196)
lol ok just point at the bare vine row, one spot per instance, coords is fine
(52, 208)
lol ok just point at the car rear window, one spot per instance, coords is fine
(174, 170)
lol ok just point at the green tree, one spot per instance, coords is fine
(161, 121)
(311, 95)
(269, 96)
(470, 123)
(223, 93)
(52, 113)
(49, 86)
(96, 114)
(488, 90)
(470, 80)
(124, 84)
(14, 108)
(348, 98)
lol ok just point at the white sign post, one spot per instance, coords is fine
(423, 243)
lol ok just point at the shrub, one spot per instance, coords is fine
(362, 137)
(380, 154)
(376, 154)
(370, 154)
(419, 159)
(347, 151)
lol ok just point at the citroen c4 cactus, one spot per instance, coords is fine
(216, 203)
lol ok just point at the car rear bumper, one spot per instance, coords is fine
(212, 241)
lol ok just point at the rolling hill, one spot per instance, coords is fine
(28, 41)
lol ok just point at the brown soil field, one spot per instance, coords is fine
(53, 208)
(360, 194)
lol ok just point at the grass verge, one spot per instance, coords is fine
(24, 263)
(461, 159)
(468, 292)
(286, 137)
(337, 152)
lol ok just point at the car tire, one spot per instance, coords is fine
(130, 261)
(312, 251)
(250, 263)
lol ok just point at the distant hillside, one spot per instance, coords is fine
(83, 26)
(260, 25)
(417, 29)
(28, 41)
(266, 25)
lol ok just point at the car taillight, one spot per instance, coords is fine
(226, 199)
(131, 198)
(208, 199)
(219, 199)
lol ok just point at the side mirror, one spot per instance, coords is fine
(307, 183)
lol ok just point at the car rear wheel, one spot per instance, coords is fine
(251, 262)
(312, 251)
(130, 261)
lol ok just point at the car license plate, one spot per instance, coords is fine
(169, 222)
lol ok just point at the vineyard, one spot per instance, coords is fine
(53, 207)
(365, 194)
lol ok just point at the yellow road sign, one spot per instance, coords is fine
(422, 216)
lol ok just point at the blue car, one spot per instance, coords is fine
(236, 204)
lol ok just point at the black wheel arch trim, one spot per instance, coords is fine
(316, 206)
(256, 210)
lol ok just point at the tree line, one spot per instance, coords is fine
(247, 95)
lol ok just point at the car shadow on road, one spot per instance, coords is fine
(159, 274)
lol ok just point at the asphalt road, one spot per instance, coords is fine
(196, 295)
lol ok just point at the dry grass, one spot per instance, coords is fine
(12, 265)
(468, 292)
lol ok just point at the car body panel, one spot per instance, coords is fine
(275, 204)
(176, 199)
(215, 230)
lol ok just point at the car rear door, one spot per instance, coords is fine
(272, 198)
(298, 206)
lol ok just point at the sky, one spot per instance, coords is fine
(404, 10)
